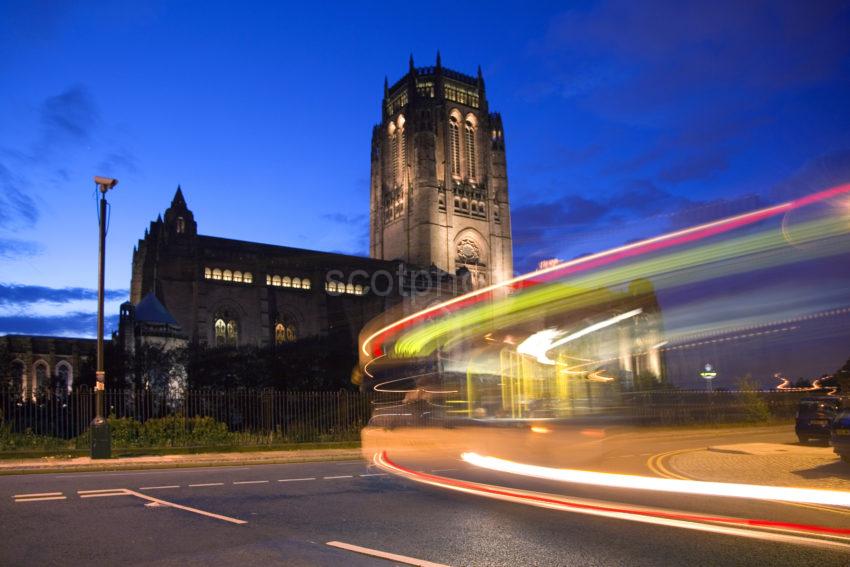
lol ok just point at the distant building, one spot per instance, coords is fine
(439, 186)
(149, 327)
(39, 363)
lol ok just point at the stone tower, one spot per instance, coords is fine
(439, 186)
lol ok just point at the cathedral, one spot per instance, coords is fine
(439, 187)
(439, 206)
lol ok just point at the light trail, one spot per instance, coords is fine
(768, 530)
(599, 259)
(744, 254)
(695, 487)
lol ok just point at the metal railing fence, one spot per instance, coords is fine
(192, 417)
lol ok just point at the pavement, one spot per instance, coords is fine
(82, 464)
(776, 464)
(336, 513)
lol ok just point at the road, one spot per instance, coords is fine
(287, 514)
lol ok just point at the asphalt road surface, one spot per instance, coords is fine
(288, 515)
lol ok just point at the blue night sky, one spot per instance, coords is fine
(622, 120)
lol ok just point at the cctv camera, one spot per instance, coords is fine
(105, 183)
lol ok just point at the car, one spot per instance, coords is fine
(814, 417)
(840, 435)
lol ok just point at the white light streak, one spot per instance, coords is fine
(697, 487)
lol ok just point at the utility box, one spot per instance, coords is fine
(101, 441)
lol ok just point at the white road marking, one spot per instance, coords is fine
(338, 476)
(249, 481)
(296, 479)
(159, 487)
(162, 471)
(36, 494)
(40, 498)
(104, 494)
(206, 484)
(384, 555)
(187, 508)
(375, 474)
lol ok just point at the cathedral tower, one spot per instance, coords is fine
(439, 187)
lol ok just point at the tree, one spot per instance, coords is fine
(755, 408)
(842, 377)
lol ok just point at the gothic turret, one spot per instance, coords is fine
(179, 220)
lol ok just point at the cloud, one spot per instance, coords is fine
(17, 208)
(71, 114)
(343, 218)
(118, 161)
(358, 234)
(76, 324)
(66, 120)
(11, 248)
(21, 295)
(822, 172)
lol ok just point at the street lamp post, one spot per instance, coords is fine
(101, 442)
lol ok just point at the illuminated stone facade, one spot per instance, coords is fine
(232, 292)
(439, 188)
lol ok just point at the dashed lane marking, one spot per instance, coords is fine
(206, 484)
(375, 474)
(295, 479)
(102, 493)
(338, 476)
(159, 487)
(37, 494)
(250, 481)
(39, 498)
(384, 555)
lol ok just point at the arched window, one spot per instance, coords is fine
(464, 204)
(296, 283)
(41, 371)
(349, 288)
(18, 371)
(216, 274)
(286, 281)
(457, 202)
(64, 378)
(248, 277)
(227, 276)
(181, 225)
(232, 332)
(237, 276)
(402, 154)
(305, 283)
(220, 332)
(226, 329)
(276, 281)
(207, 273)
(285, 332)
(358, 289)
(469, 137)
(454, 142)
(393, 134)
